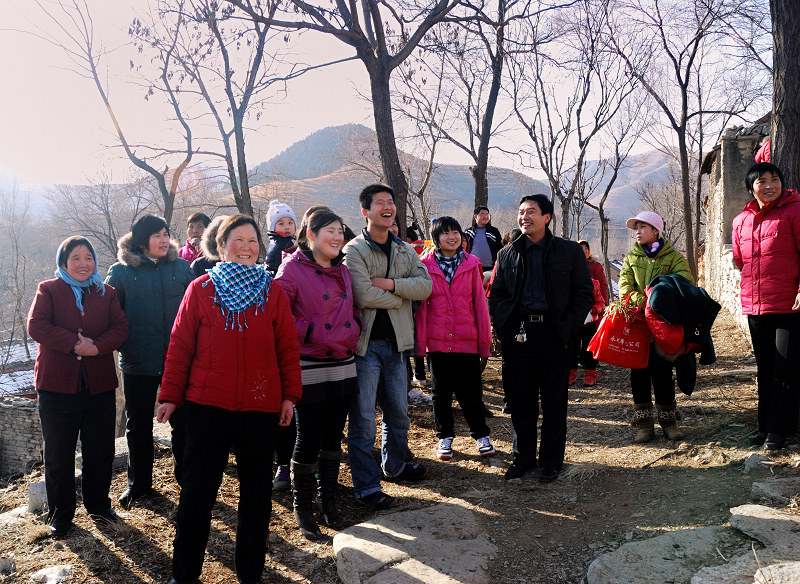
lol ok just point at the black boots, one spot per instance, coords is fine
(328, 465)
(304, 486)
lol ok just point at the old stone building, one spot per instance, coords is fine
(726, 166)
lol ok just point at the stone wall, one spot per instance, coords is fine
(20, 435)
(727, 166)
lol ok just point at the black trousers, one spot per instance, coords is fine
(64, 418)
(582, 354)
(140, 400)
(284, 442)
(457, 374)
(538, 371)
(210, 432)
(776, 343)
(659, 373)
(319, 427)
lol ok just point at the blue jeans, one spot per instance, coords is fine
(382, 363)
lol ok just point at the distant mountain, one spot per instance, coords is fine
(333, 164)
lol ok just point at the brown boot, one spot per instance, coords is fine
(668, 418)
(643, 422)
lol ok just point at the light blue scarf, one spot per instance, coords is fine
(78, 287)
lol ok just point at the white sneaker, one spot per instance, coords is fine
(485, 447)
(444, 450)
(419, 398)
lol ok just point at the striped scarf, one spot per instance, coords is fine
(237, 288)
(449, 265)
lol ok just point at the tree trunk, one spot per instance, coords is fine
(387, 146)
(604, 250)
(786, 85)
(687, 203)
(244, 181)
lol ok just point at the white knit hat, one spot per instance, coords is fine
(278, 211)
(649, 217)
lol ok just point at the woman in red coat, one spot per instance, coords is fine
(78, 323)
(233, 363)
(766, 248)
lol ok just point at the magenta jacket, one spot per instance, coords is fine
(328, 325)
(454, 318)
(766, 248)
(55, 321)
(188, 252)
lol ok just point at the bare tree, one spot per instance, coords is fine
(563, 125)
(663, 45)
(383, 35)
(76, 38)
(620, 139)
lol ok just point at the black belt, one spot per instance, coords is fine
(533, 318)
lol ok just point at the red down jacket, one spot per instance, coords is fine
(253, 369)
(766, 248)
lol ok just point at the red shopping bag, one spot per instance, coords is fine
(622, 338)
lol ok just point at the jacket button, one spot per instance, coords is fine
(347, 324)
(329, 353)
(344, 295)
(319, 271)
(349, 352)
(327, 326)
(450, 335)
(324, 296)
(449, 348)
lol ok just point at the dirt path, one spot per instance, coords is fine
(610, 492)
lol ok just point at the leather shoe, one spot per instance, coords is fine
(774, 442)
(59, 528)
(757, 439)
(411, 472)
(518, 469)
(105, 516)
(548, 475)
(127, 499)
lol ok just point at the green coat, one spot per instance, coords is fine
(149, 294)
(638, 270)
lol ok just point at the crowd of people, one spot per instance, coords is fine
(271, 358)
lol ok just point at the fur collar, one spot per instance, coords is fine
(131, 256)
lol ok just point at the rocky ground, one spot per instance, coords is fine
(610, 492)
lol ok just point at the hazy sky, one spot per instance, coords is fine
(55, 128)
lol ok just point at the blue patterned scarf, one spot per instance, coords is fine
(238, 287)
(78, 287)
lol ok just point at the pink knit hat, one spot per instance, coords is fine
(649, 217)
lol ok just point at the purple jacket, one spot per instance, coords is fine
(328, 325)
(55, 321)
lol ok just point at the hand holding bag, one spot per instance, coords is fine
(622, 337)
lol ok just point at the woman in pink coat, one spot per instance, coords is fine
(453, 329)
(766, 248)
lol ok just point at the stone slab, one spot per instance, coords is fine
(436, 545)
(672, 557)
(777, 491)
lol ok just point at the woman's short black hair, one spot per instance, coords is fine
(316, 221)
(757, 170)
(444, 225)
(144, 227)
(68, 245)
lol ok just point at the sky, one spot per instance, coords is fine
(56, 130)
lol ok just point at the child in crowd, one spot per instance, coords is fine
(281, 228)
(453, 329)
(195, 226)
